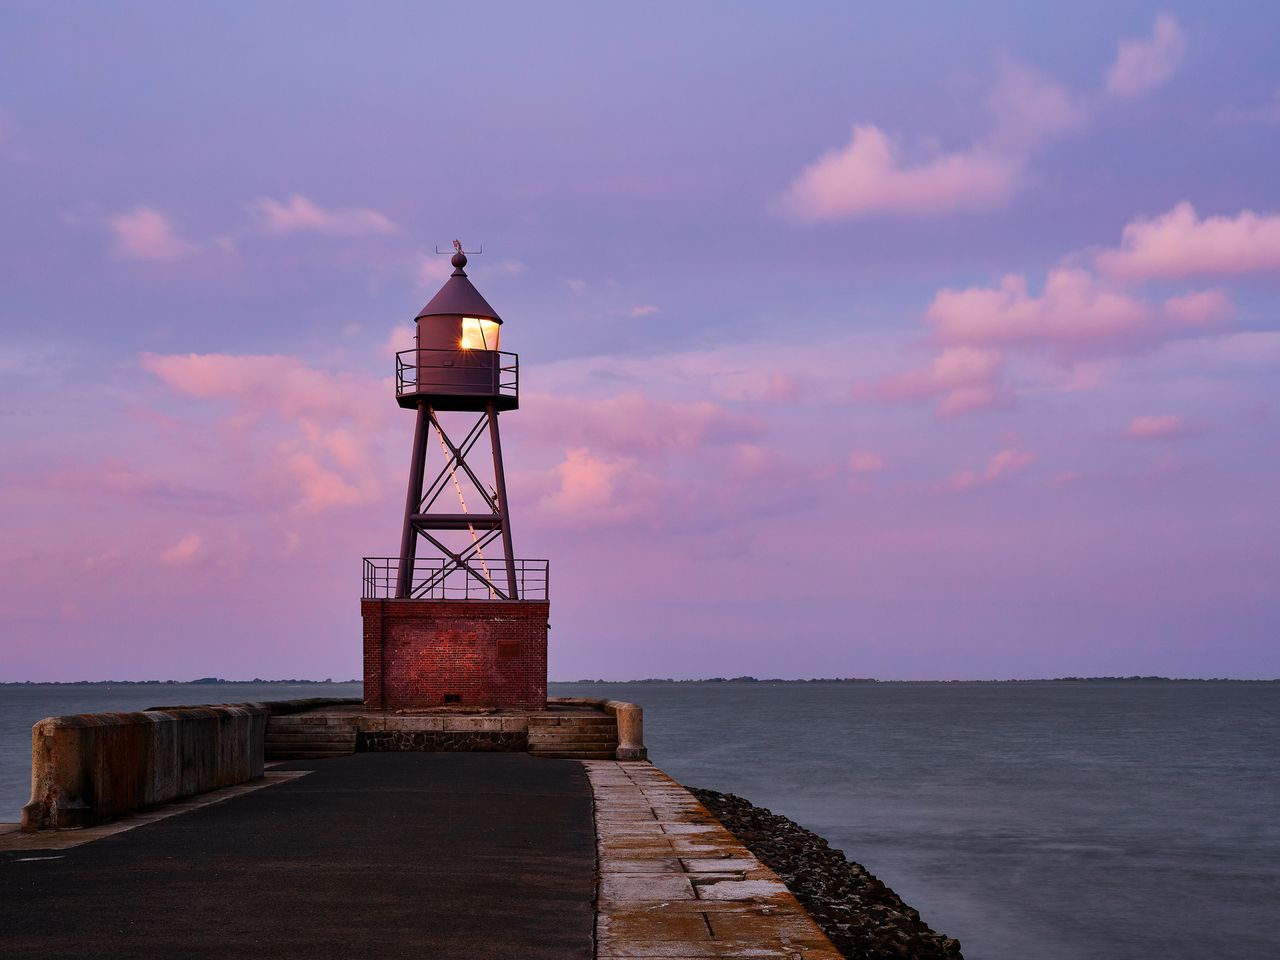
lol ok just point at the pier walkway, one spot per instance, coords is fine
(441, 855)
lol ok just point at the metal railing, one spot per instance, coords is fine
(480, 372)
(441, 579)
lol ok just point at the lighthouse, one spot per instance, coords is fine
(456, 618)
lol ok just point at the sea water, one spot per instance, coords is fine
(1032, 821)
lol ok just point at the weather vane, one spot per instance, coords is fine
(457, 248)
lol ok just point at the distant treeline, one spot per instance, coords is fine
(220, 680)
(1133, 679)
(141, 683)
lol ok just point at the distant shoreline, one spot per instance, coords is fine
(219, 681)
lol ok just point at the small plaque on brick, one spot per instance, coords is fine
(508, 649)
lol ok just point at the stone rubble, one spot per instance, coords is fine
(862, 917)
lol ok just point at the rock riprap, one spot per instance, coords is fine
(864, 918)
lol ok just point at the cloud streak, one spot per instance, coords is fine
(145, 233)
(1143, 65)
(1182, 244)
(873, 174)
(298, 214)
(1164, 427)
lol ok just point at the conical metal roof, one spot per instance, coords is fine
(458, 297)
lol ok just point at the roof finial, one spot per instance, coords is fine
(459, 259)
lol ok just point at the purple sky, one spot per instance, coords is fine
(855, 341)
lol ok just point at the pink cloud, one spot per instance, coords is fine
(146, 234)
(183, 552)
(753, 460)
(1008, 460)
(962, 378)
(319, 449)
(1157, 427)
(869, 176)
(1143, 65)
(865, 461)
(594, 490)
(299, 214)
(781, 387)
(1202, 308)
(1028, 109)
(1076, 316)
(1073, 310)
(644, 311)
(634, 424)
(267, 383)
(1180, 244)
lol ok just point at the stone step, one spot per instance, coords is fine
(337, 745)
(574, 754)
(566, 731)
(308, 754)
(291, 736)
(601, 739)
(571, 721)
(572, 744)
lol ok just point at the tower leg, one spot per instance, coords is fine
(500, 481)
(413, 499)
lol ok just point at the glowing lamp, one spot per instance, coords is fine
(479, 333)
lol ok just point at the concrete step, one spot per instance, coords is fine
(573, 745)
(561, 732)
(307, 754)
(587, 721)
(574, 755)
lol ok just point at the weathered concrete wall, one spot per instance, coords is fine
(630, 719)
(89, 768)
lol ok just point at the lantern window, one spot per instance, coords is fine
(479, 334)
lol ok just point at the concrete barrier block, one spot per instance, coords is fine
(89, 768)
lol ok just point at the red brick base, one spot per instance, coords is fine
(426, 653)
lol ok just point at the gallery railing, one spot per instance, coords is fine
(490, 373)
(442, 579)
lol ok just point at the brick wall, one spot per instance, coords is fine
(484, 652)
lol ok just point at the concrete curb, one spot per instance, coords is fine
(673, 882)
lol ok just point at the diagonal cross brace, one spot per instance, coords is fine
(458, 455)
(458, 561)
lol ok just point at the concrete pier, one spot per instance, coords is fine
(431, 835)
(374, 855)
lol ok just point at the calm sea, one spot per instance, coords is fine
(1032, 821)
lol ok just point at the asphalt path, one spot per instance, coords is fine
(427, 855)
